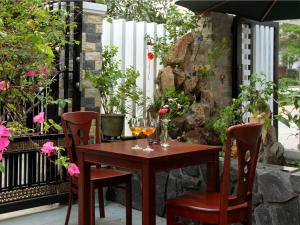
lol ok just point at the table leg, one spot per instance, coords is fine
(148, 196)
(84, 191)
(213, 174)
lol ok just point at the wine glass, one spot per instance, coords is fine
(149, 126)
(136, 129)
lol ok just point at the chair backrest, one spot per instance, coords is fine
(78, 124)
(248, 139)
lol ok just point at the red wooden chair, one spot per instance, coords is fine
(221, 207)
(78, 124)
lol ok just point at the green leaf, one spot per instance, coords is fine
(284, 120)
(2, 168)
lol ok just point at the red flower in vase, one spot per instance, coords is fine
(150, 55)
(163, 110)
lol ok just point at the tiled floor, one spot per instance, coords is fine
(55, 215)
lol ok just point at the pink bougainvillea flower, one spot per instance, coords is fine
(150, 55)
(39, 118)
(1, 154)
(4, 85)
(4, 131)
(4, 142)
(48, 148)
(30, 73)
(44, 71)
(73, 169)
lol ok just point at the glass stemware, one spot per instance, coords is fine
(136, 129)
(149, 126)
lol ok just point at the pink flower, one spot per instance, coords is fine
(30, 73)
(4, 142)
(44, 71)
(39, 118)
(4, 85)
(48, 148)
(4, 131)
(73, 169)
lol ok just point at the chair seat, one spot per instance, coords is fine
(202, 201)
(104, 175)
(205, 207)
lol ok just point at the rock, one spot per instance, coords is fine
(275, 187)
(190, 183)
(208, 98)
(274, 154)
(192, 171)
(161, 182)
(262, 215)
(272, 151)
(177, 52)
(166, 78)
(196, 136)
(190, 84)
(295, 182)
(179, 78)
(286, 213)
(177, 127)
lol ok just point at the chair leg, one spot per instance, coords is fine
(170, 217)
(70, 200)
(92, 206)
(128, 203)
(101, 202)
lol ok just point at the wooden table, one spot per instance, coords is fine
(120, 154)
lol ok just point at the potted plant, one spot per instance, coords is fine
(251, 100)
(115, 88)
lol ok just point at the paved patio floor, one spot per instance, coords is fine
(55, 215)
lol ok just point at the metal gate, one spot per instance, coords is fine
(30, 179)
(255, 50)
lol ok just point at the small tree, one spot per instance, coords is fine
(115, 87)
(30, 36)
(289, 43)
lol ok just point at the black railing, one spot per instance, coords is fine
(30, 175)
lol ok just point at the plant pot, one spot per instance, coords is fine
(112, 124)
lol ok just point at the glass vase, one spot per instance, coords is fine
(164, 137)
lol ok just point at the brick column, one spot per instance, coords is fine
(93, 15)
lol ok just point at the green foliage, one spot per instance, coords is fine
(286, 82)
(139, 10)
(2, 168)
(178, 103)
(178, 22)
(228, 116)
(289, 103)
(29, 35)
(115, 87)
(251, 99)
(289, 43)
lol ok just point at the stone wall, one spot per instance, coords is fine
(92, 18)
(199, 64)
(276, 199)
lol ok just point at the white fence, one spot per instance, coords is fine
(129, 36)
(263, 50)
(261, 40)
